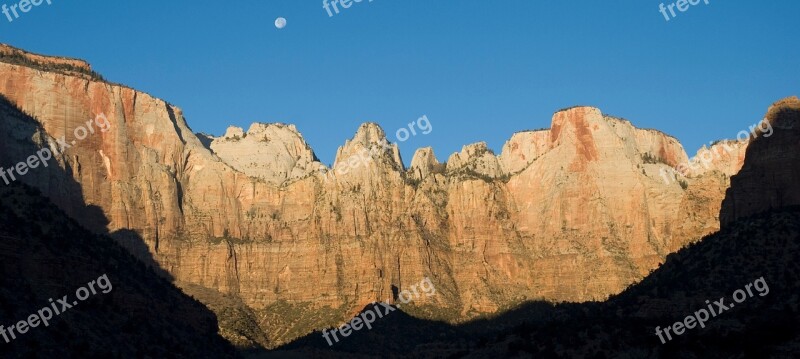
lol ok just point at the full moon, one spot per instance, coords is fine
(280, 23)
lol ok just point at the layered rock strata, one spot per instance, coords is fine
(574, 213)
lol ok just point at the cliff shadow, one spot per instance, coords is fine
(53, 245)
(765, 246)
(24, 139)
(770, 176)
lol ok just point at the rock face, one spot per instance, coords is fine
(475, 159)
(574, 213)
(523, 148)
(726, 157)
(424, 163)
(591, 201)
(368, 144)
(8, 52)
(275, 153)
(772, 152)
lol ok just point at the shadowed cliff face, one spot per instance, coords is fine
(575, 213)
(45, 255)
(771, 179)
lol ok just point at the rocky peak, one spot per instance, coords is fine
(368, 134)
(651, 146)
(784, 114)
(272, 152)
(423, 163)
(476, 158)
(259, 127)
(369, 142)
(583, 219)
(233, 133)
(576, 126)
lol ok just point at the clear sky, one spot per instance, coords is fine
(480, 70)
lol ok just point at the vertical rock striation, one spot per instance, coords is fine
(574, 213)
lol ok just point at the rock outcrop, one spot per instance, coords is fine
(9, 52)
(522, 149)
(726, 157)
(424, 163)
(475, 159)
(276, 153)
(769, 178)
(574, 213)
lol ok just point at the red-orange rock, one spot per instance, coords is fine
(574, 213)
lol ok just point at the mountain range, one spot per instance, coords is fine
(279, 246)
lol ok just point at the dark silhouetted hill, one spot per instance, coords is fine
(770, 177)
(44, 254)
(765, 246)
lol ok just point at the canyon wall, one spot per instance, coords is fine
(574, 213)
(770, 180)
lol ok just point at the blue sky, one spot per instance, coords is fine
(480, 70)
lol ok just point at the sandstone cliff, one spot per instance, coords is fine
(275, 153)
(574, 213)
